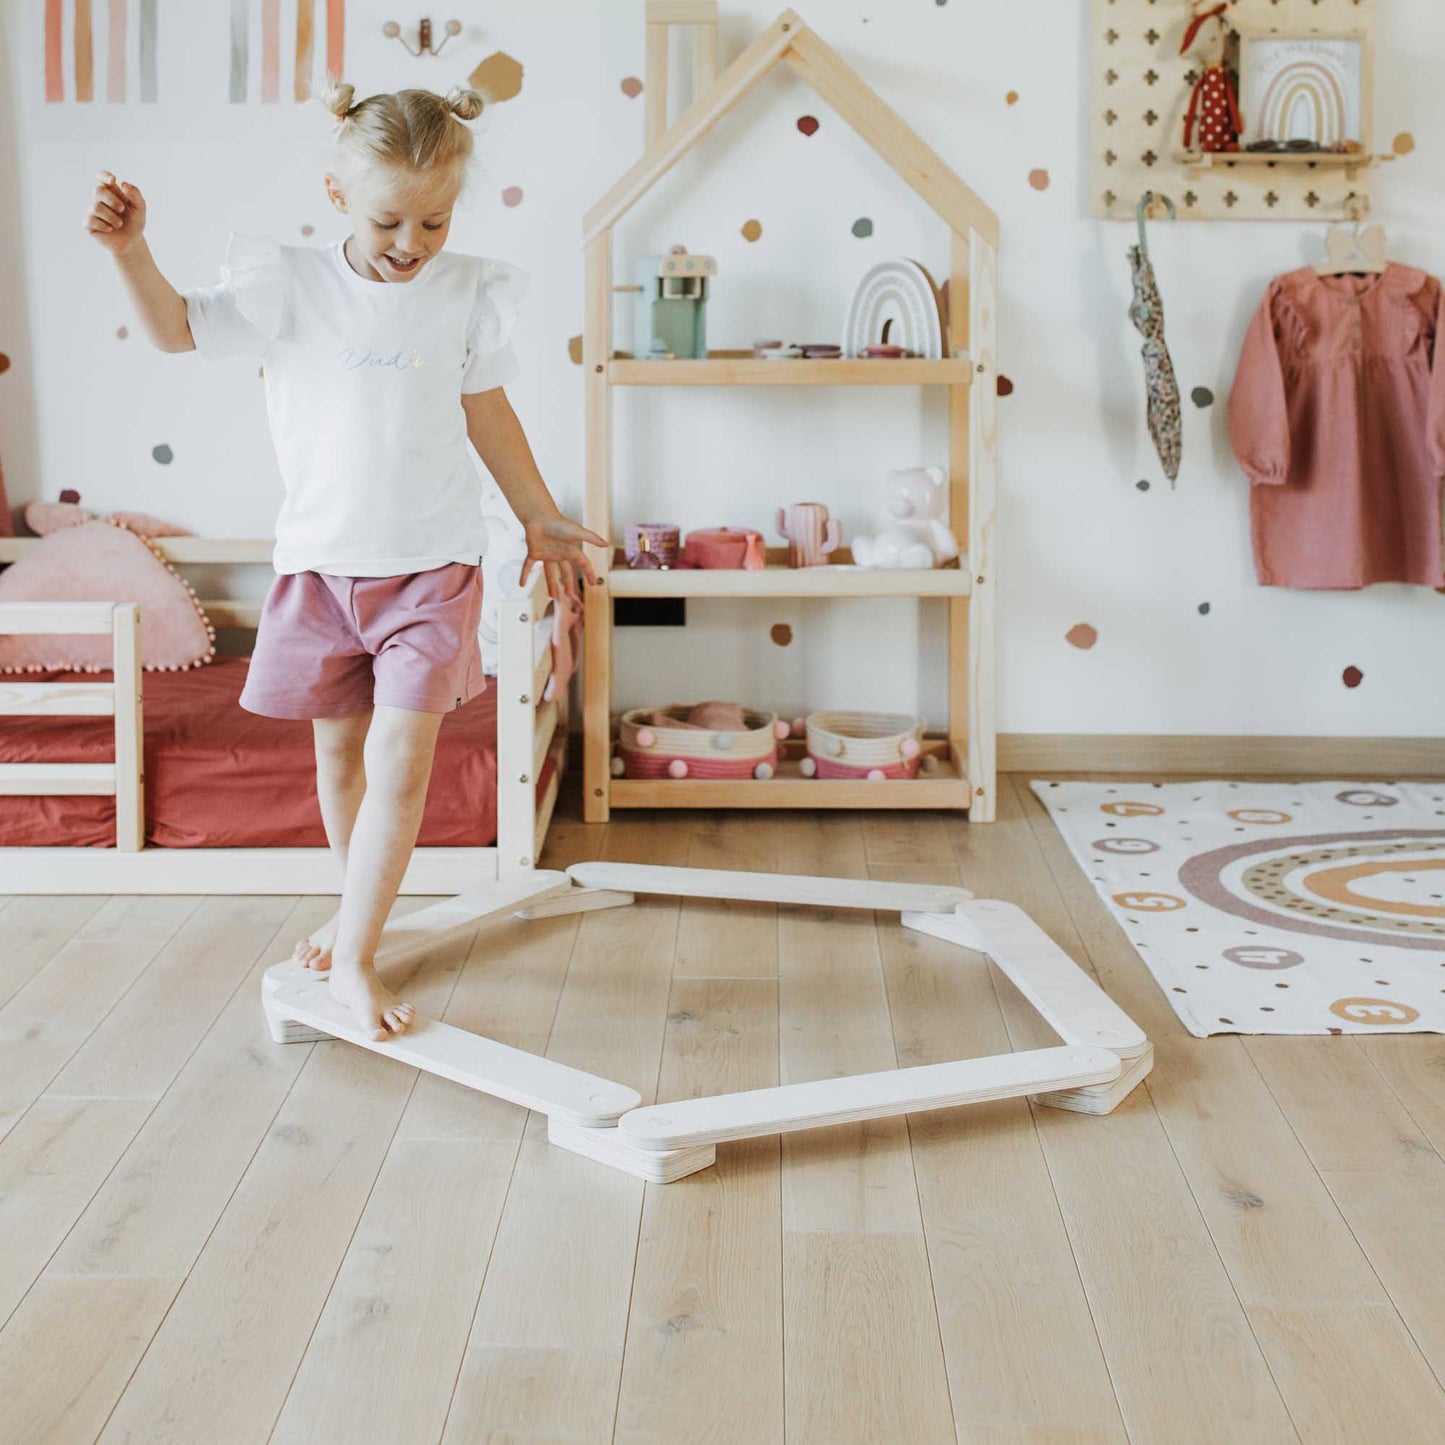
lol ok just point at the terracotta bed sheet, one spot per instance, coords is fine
(220, 777)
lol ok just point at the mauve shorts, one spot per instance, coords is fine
(333, 646)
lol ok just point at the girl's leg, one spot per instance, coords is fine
(398, 759)
(340, 784)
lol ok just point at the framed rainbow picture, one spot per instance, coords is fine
(1304, 88)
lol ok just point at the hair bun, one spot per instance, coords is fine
(337, 98)
(465, 103)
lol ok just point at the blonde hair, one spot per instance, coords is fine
(407, 130)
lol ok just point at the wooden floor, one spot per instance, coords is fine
(205, 1237)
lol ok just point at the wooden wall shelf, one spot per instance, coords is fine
(790, 582)
(755, 371)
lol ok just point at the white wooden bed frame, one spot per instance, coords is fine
(1103, 1055)
(529, 731)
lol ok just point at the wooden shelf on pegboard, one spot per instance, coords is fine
(1140, 87)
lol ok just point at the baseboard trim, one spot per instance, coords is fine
(1221, 756)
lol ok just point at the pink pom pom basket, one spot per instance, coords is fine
(872, 745)
(647, 749)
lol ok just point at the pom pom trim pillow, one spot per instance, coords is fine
(105, 562)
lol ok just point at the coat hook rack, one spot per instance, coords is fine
(392, 31)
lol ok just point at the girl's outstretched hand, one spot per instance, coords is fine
(117, 216)
(557, 542)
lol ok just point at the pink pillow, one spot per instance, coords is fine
(102, 562)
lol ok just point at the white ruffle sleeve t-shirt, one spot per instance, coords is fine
(364, 381)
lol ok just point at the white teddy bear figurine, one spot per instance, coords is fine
(918, 498)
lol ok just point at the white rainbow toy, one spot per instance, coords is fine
(896, 302)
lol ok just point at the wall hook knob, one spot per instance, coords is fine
(392, 31)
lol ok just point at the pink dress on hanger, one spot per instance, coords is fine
(1337, 414)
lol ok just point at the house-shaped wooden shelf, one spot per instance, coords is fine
(962, 758)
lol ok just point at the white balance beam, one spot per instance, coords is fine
(797, 888)
(1069, 1000)
(863, 1096)
(464, 1058)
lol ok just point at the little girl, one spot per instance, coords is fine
(383, 356)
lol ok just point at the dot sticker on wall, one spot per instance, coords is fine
(781, 633)
(4, 363)
(1012, 98)
(1003, 385)
(308, 230)
(752, 230)
(69, 494)
(1039, 179)
(574, 349)
(1352, 677)
(808, 124)
(1143, 486)
(1403, 143)
(632, 87)
(163, 454)
(122, 332)
(1204, 609)
(1201, 396)
(862, 226)
(512, 196)
(498, 77)
(1082, 636)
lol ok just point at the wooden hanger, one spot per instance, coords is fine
(1353, 252)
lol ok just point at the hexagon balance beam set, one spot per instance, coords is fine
(1102, 1057)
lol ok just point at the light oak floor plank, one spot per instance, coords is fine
(35, 930)
(1133, 1219)
(545, 1353)
(704, 1353)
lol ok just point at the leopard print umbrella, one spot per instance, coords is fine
(1146, 311)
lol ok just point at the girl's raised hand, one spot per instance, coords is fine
(557, 542)
(117, 215)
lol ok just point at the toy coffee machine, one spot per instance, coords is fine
(671, 307)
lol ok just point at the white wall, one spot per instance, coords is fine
(1078, 542)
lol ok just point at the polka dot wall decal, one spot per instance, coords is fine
(574, 349)
(632, 87)
(1142, 486)
(1201, 396)
(808, 124)
(1403, 143)
(122, 332)
(781, 633)
(498, 77)
(308, 230)
(163, 454)
(1082, 636)
(512, 196)
(752, 230)
(1039, 179)
(1204, 609)
(1003, 385)
(1012, 98)
(862, 226)
(1352, 677)
(4, 363)
(70, 495)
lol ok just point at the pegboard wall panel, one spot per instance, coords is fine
(1140, 89)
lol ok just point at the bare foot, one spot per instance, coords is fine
(314, 951)
(378, 1011)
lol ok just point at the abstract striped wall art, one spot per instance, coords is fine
(83, 37)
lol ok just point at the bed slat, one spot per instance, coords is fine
(33, 618)
(57, 699)
(39, 780)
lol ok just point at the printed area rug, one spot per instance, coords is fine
(1273, 908)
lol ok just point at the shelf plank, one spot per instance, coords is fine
(943, 791)
(755, 371)
(790, 582)
(1330, 160)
